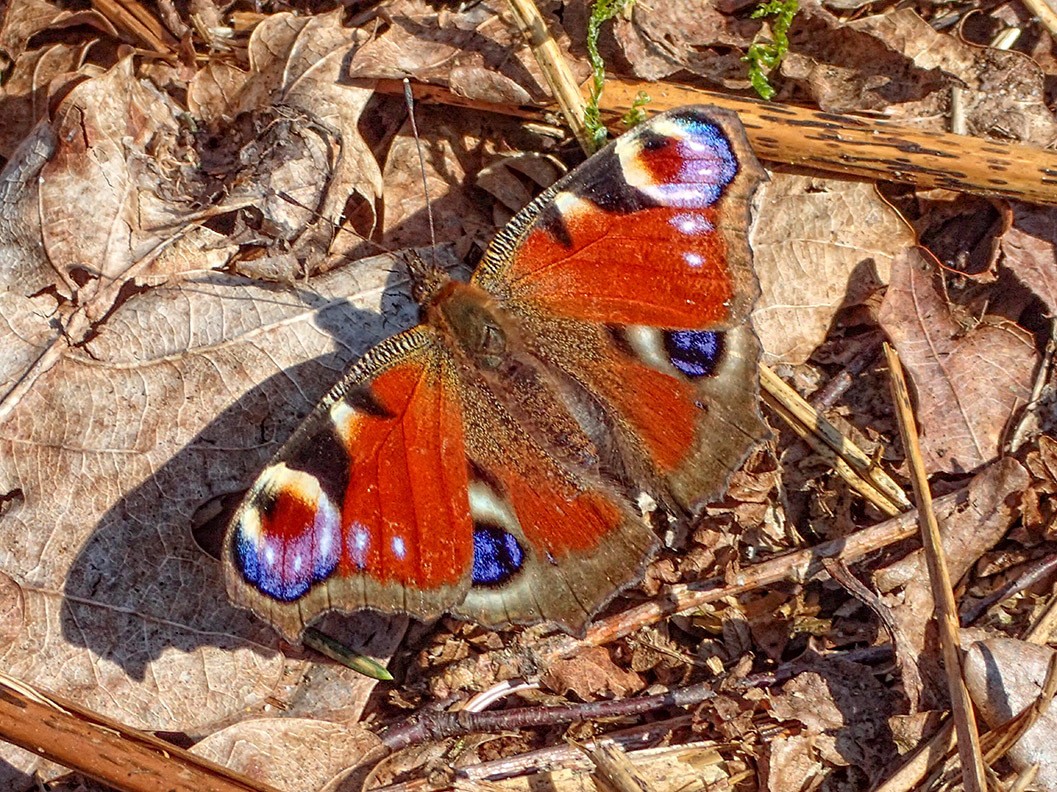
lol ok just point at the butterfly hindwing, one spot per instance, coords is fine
(554, 541)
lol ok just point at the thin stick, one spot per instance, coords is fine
(797, 566)
(555, 70)
(851, 477)
(868, 148)
(850, 461)
(106, 750)
(973, 776)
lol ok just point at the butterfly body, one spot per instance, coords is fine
(484, 463)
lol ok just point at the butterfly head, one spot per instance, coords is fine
(428, 278)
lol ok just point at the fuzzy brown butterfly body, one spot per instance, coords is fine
(485, 462)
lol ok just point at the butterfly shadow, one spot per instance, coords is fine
(148, 579)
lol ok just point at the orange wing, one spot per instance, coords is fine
(652, 230)
(366, 505)
(632, 276)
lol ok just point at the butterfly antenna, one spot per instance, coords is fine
(426, 276)
(421, 159)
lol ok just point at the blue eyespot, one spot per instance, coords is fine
(695, 353)
(497, 556)
(284, 561)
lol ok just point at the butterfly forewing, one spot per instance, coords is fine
(365, 505)
(652, 230)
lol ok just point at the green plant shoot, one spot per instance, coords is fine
(764, 56)
(601, 12)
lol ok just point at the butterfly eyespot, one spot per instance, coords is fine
(694, 353)
(497, 555)
(289, 540)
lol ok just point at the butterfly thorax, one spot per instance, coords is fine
(491, 346)
(469, 317)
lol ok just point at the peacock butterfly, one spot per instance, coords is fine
(485, 462)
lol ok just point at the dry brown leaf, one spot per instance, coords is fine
(963, 231)
(591, 674)
(843, 711)
(508, 180)
(969, 382)
(1030, 250)
(294, 152)
(119, 434)
(791, 764)
(1004, 676)
(111, 135)
(818, 244)
(1039, 501)
(183, 394)
(294, 754)
(912, 69)
(660, 39)
(215, 91)
(475, 51)
(26, 89)
(12, 610)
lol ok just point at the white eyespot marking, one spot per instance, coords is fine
(269, 554)
(342, 416)
(326, 525)
(250, 525)
(691, 224)
(681, 195)
(299, 562)
(570, 205)
(399, 549)
(279, 478)
(693, 259)
(325, 533)
(629, 153)
(361, 541)
(669, 128)
(486, 506)
(648, 345)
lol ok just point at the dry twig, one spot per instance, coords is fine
(127, 759)
(946, 609)
(867, 148)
